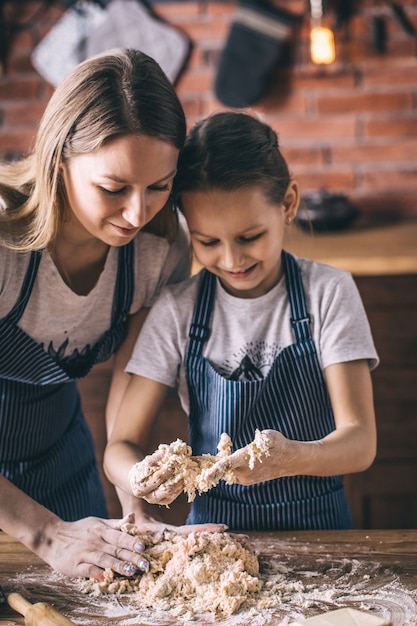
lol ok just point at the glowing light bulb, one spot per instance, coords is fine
(322, 48)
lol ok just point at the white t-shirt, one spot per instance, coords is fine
(248, 333)
(55, 314)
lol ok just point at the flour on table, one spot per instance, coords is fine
(190, 574)
(198, 474)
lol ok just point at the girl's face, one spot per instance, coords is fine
(239, 235)
(113, 192)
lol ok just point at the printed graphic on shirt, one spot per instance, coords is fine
(74, 363)
(251, 362)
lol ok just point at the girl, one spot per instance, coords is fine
(258, 339)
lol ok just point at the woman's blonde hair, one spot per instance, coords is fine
(120, 92)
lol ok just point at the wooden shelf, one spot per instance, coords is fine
(365, 249)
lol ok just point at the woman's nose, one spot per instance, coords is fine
(135, 211)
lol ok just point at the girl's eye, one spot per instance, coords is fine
(251, 238)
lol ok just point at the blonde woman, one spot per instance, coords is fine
(88, 237)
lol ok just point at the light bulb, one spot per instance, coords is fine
(322, 48)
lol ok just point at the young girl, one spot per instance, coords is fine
(258, 339)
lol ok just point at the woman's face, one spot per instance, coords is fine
(113, 192)
(238, 236)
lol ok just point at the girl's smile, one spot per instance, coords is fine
(238, 235)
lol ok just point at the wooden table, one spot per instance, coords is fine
(368, 570)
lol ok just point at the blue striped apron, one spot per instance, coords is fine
(46, 447)
(292, 398)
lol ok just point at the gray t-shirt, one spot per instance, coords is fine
(248, 333)
(63, 321)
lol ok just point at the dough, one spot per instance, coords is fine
(194, 472)
(188, 574)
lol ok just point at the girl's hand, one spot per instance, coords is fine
(160, 483)
(274, 464)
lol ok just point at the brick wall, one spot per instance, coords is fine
(351, 127)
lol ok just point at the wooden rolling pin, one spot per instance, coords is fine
(38, 614)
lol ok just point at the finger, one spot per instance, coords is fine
(165, 494)
(196, 528)
(155, 480)
(213, 475)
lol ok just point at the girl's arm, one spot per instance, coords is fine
(129, 436)
(351, 447)
(119, 383)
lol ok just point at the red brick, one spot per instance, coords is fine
(274, 101)
(373, 153)
(16, 142)
(393, 72)
(348, 102)
(321, 130)
(194, 82)
(302, 156)
(171, 11)
(391, 178)
(13, 88)
(391, 127)
(324, 179)
(21, 115)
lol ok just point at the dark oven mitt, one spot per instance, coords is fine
(255, 42)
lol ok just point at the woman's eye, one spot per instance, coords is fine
(208, 244)
(160, 187)
(112, 192)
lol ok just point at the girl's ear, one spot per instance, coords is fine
(291, 201)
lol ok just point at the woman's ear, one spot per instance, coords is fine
(291, 201)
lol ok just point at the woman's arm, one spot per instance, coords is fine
(84, 548)
(351, 447)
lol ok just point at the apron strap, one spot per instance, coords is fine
(125, 282)
(17, 311)
(199, 330)
(300, 319)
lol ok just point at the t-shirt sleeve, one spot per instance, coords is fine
(156, 354)
(177, 264)
(345, 333)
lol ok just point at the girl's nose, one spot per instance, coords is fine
(232, 257)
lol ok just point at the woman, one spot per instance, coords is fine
(87, 238)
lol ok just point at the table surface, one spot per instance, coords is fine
(368, 570)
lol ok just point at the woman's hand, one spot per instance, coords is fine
(86, 547)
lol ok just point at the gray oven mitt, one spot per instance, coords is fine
(87, 29)
(129, 24)
(63, 47)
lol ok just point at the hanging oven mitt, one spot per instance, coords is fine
(253, 47)
(63, 47)
(129, 24)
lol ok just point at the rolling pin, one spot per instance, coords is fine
(38, 614)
